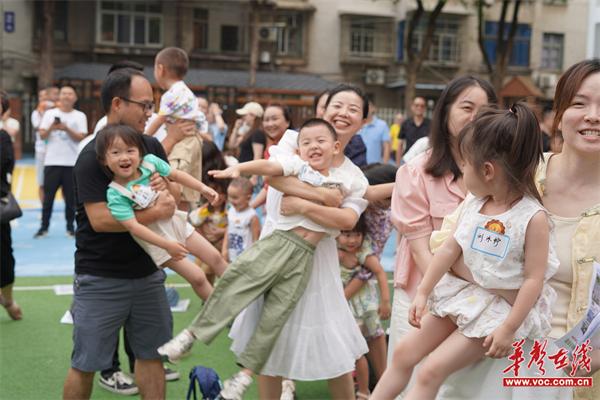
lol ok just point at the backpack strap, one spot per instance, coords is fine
(192, 387)
(123, 190)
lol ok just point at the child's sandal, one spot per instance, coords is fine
(361, 395)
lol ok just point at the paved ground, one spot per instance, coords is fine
(53, 255)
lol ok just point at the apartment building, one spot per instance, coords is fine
(302, 46)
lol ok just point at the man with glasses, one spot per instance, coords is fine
(116, 283)
(414, 128)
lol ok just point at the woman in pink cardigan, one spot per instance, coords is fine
(428, 188)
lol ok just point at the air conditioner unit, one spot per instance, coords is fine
(546, 80)
(375, 77)
(265, 57)
(267, 33)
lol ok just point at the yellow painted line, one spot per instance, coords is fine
(25, 186)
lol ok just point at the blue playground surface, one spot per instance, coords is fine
(53, 255)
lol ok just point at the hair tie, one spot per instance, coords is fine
(513, 109)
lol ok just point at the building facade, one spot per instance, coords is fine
(301, 46)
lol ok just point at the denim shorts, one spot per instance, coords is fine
(101, 306)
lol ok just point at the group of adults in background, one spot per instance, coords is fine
(429, 187)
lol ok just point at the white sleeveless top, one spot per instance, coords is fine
(239, 232)
(494, 246)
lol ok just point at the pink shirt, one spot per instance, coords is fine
(419, 204)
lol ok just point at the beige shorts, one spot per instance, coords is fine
(186, 156)
(177, 228)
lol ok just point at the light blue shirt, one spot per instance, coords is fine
(218, 135)
(374, 134)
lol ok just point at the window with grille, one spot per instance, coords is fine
(552, 51)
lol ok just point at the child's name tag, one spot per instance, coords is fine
(490, 242)
(310, 176)
(143, 195)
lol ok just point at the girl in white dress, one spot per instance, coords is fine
(503, 236)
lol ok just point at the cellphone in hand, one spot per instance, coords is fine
(57, 120)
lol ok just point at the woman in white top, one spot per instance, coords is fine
(320, 339)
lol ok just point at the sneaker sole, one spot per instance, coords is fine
(126, 392)
(173, 376)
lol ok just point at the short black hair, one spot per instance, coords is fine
(309, 123)
(175, 61)
(378, 173)
(125, 64)
(117, 84)
(360, 227)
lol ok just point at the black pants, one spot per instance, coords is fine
(7, 261)
(116, 365)
(55, 177)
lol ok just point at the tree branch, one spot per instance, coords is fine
(481, 36)
(513, 30)
(500, 47)
(412, 25)
(424, 53)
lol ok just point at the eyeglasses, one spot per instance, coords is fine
(147, 106)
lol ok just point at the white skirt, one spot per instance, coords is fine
(477, 312)
(320, 340)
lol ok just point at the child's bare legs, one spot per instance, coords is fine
(193, 274)
(409, 351)
(201, 248)
(455, 353)
(377, 355)
(210, 275)
(362, 375)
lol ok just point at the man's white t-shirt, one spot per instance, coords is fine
(61, 149)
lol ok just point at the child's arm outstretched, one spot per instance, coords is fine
(441, 262)
(175, 249)
(155, 124)
(255, 167)
(537, 238)
(189, 181)
(373, 264)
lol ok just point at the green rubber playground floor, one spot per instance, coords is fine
(35, 352)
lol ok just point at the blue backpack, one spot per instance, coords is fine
(208, 381)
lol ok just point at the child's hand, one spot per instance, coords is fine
(228, 173)
(176, 250)
(417, 310)
(384, 310)
(210, 194)
(158, 183)
(499, 342)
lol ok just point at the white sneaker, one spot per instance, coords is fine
(288, 390)
(119, 383)
(234, 388)
(177, 347)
